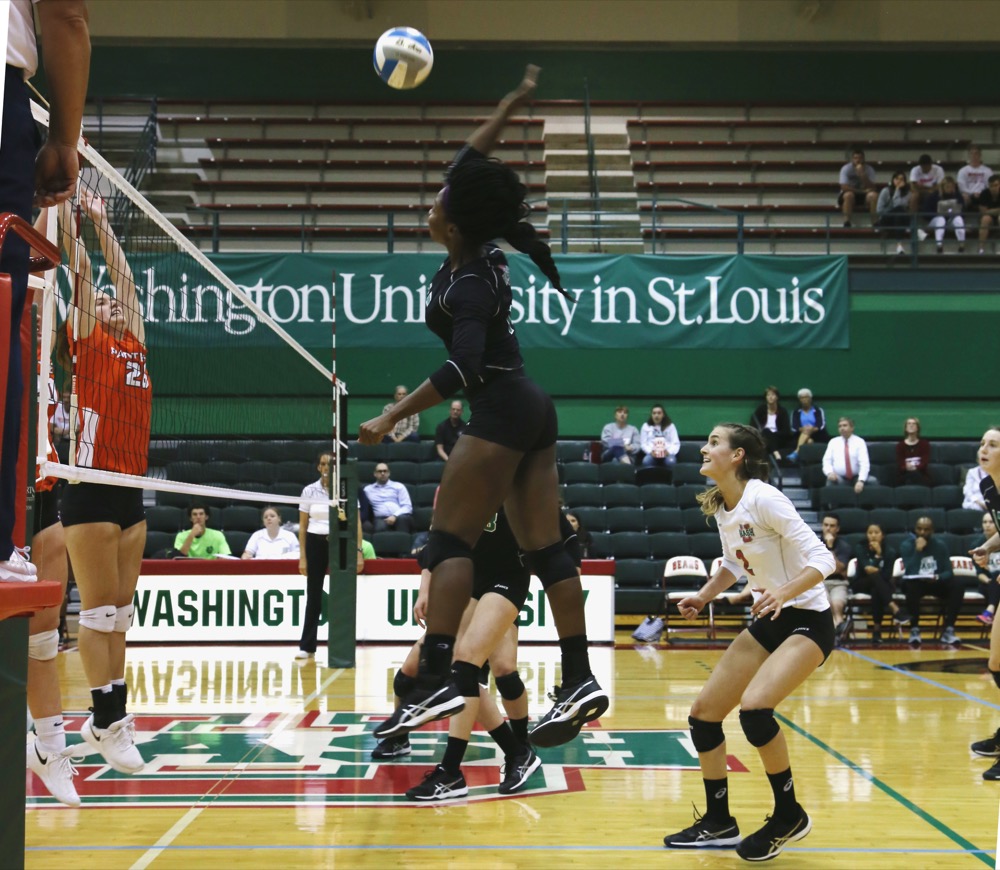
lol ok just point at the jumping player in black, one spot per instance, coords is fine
(507, 454)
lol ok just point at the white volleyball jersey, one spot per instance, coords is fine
(765, 539)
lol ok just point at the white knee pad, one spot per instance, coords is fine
(123, 618)
(100, 619)
(44, 646)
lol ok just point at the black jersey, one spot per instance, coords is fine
(992, 498)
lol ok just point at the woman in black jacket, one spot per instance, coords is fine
(873, 576)
(773, 422)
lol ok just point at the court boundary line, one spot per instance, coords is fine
(941, 827)
(165, 842)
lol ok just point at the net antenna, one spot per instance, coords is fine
(137, 240)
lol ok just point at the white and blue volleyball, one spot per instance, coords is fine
(403, 57)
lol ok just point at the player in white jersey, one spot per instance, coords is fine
(764, 539)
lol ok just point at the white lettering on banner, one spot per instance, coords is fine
(270, 608)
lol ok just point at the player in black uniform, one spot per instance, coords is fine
(989, 461)
(507, 452)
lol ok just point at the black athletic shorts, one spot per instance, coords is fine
(101, 503)
(46, 511)
(512, 585)
(512, 410)
(817, 625)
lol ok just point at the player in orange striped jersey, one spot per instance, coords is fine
(105, 524)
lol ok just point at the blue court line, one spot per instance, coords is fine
(560, 847)
(923, 679)
(954, 836)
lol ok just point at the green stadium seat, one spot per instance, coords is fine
(685, 472)
(625, 519)
(890, 519)
(705, 545)
(616, 472)
(573, 451)
(690, 451)
(580, 472)
(875, 495)
(664, 519)
(912, 496)
(166, 518)
(428, 472)
(423, 494)
(237, 541)
(695, 521)
(949, 496)
(658, 495)
(942, 475)
(882, 452)
(666, 545)
(938, 516)
(621, 495)
(593, 519)
(391, 544)
(962, 521)
(835, 496)
(584, 495)
(630, 545)
(852, 520)
(240, 518)
(687, 493)
(638, 573)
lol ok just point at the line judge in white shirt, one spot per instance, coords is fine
(846, 457)
(314, 552)
(272, 541)
(764, 539)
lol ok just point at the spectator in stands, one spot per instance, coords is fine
(894, 208)
(836, 582)
(272, 541)
(448, 430)
(857, 181)
(972, 495)
(407, 429)
(927, 571)
(201, 542)
(390, 501)
(314, 552)
(989, 210)
(846, 457)
(620, 440)
(365, 513)
(945, 205)
(924, 180)
(582, 535)
(973, 178)
(808, 423)
(772, 421)
(659, 439)
(913, 455)
(873, 576)
(989, 574)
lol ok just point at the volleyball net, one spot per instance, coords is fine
(200, 378)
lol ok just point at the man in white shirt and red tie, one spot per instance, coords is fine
(846, 457)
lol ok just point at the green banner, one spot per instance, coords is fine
(621, 302)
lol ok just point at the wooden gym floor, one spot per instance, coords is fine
(255, 761)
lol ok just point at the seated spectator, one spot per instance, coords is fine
(407, 429)
(272, 541)
(873, 576)
(972, 495)
(808, 423)
(989, 572)
(448, 430)
(582, 535)
(913, 455)
(924, 180)
(620, 440)
(894, 208)
(773, 422)
(390, 501)
(927, 571)
(659, 439)
(846, 457)
(945, 206)
(201, 542)
(973, 177)
(857, 182)
(836, 583)
(989, 210)
(365, 514)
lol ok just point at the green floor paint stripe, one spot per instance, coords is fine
(955, 837)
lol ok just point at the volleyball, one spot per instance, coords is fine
(403, 57)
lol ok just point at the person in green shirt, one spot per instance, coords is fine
(201, 542)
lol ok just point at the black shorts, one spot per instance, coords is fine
(512, 585)
(46, 511)
(817, 625)
(101, 503)
(512, 410)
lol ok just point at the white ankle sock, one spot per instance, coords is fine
(50, 733)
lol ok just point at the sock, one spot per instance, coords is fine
(785, 805)
(520, 729)
(466, 678)
(104, 706)
(505, 739)
(453, 754)
(435, 660)
(120, 691)
(717, 798)
(575, 659)
(50, 734)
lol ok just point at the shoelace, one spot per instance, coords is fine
(68, 759)
(23, 552)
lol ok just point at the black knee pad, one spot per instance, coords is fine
(402, 684)
(996, 677)
(550, 565)
(760, 726)
(466, 677)
(705, 736)
(484, 674)
(443, 545)
(510, 686)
